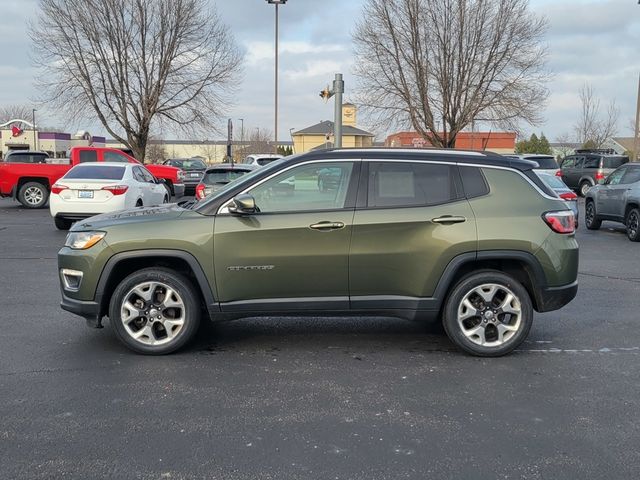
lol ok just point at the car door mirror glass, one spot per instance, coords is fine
(243, 204)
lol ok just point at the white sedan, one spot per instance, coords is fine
(92, 188)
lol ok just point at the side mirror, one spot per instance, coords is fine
(243, 204)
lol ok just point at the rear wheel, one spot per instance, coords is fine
(33, 195)
(488, 314)
(591, 219)
(62, 223)
(154, 311)
(633, 225)
(584, 188)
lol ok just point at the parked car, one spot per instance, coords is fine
(617, 199)
(193, 170)
(471, 238)
(261, 159)
(30, 184)
(582, 171)
(92, 188)
(546, 163)
(26, 156)
(565, 193)
(219, 176)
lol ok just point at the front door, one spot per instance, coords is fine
(293, 254)
(611, 193)
(414, 221)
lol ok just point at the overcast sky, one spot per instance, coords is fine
(588, 41)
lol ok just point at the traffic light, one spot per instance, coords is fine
(326, 94)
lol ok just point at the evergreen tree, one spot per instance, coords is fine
(544, 146)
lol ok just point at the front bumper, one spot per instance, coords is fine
(90, 310)
(554, 298)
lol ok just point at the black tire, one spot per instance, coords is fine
(33, 195)
(184, 289)
(169, 186)
(165, 199)
(62, 223)
(632, 221)
(169, 194)
(463, 289)
(139, 203)
(585, 186)
(591, 219)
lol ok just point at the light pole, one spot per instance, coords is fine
(33, 120)
(277, 3)
(293, 145)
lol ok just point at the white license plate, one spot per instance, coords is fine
(85, 193)
(194, 175)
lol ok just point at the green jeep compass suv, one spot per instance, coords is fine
(472, 238)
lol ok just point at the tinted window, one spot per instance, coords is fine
(580, 162)
(27, 158)
(96, 172)
(115, 157)
(614, 162)
(266, 160)
(632, 175)
(222, 176)
(88, 156)
(305, 188)
(569, 162)
(146, 175)
(616, 177)
(554, 182)
(395, 184)
(190, 164)
(592, 162)
(473, 182)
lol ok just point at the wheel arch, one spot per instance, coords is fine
(523, 266)
(42, 180)
(630, 205)
(123, 264)
(586, 178)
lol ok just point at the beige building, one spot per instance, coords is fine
(320, 135)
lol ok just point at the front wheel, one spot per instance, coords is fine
(488, 314)
(591, 219)
(154, 311)
(33, 195)
(633, 225)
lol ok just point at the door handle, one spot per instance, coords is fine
(327, 225)
(449, 219)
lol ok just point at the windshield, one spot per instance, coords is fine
(222, 176)
(544, 162)
(190, 164)
(246, 179)
(96, 172)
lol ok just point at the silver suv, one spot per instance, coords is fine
(617, 199)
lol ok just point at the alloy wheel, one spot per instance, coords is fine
(152, 313)
(633, 223)
(33, 195)
(490, 315)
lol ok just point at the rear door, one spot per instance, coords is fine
(412, 219)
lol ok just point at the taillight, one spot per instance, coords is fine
(57, 188)
(181, 175)
(569, 196)
(558, 173)
(116, 189)
(200, 191)
(599, 176)
(562, 221)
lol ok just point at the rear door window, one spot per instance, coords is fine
(411, 184)
(592, 162)
(569, 162)
(632, 175)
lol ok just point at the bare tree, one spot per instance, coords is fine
(156, 151)
(446, 63)
(565, 146)
(259, 141)
(135, 63)
(209, 151)
(15, 112)
(593, 126)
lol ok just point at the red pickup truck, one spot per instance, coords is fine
(30, 183)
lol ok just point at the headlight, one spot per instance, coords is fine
(83, 240)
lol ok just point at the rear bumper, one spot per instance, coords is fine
(553, 298)
(178, 189)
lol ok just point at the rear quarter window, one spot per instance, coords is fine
(473, 182)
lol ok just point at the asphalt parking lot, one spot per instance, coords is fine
(314, 398)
